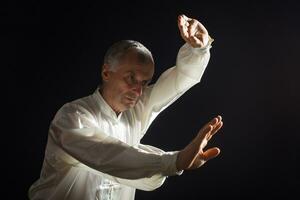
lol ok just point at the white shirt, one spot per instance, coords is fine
(93, 154)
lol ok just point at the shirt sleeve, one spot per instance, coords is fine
(74, 131)
(190, 66)
(147, 183)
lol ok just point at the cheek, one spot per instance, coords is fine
(123, 89)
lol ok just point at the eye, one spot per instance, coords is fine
(132, 80)
(144, 83)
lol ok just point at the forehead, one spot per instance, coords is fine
(137, 63)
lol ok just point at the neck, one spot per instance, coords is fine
(106, 97)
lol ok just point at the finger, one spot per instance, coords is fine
(203, 134)
(214, 121)
(181, 20)
(183, 28)
(216, 125)
(185, 21)
(192, 28)
(184, 34)
(210, 153)
(195, 42)
(186, 18)
(198, 162)
(203, 37)
(219, 119)
(215, 130)
(206, 129)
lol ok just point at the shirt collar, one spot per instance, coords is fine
(105, 108)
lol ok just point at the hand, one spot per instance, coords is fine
(193, 156)
(192, 31)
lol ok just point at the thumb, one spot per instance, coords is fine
(211, 153)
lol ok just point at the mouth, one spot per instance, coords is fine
(131, 99)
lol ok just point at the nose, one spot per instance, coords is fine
(138, 90)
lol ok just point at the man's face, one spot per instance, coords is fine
(124, 86)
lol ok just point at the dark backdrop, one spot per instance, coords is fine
(53, 53)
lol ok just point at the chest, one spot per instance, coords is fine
(125, 129)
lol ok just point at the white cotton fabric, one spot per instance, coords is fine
(93, 154)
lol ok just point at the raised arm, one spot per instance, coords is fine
(192, 60)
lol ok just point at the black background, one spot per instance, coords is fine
(53, 53)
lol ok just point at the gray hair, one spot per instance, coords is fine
(118, 50)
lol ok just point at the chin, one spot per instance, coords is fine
(127, 106)
(130, 106)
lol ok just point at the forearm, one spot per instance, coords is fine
(149, 183)
(192, 62)
(109, 155)
(145, 184)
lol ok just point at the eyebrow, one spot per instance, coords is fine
(132, 72)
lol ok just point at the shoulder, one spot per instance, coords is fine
(83, 106)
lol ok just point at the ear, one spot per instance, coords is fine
(105, 72)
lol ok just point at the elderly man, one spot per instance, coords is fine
(94, 150)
